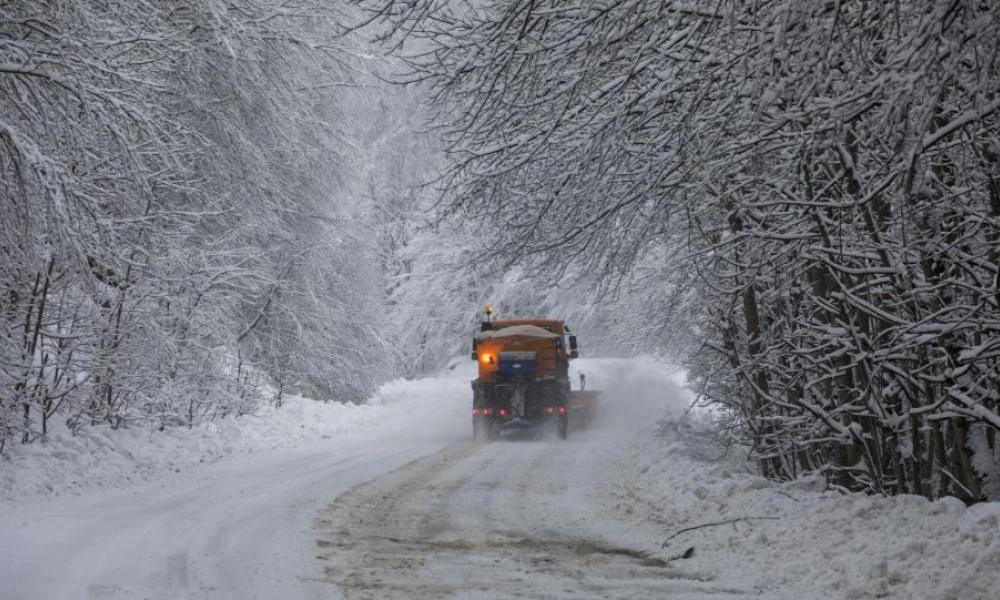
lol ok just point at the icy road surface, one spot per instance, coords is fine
(405, 506)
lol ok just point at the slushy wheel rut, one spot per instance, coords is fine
(550, 549)
(482, 524)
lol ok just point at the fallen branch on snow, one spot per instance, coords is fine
(732, 522)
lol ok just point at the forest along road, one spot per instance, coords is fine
(409, 508)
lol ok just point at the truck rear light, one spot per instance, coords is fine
(475, 412)
(550, 410)
(485, 412)
(562, 410)
(503, 413)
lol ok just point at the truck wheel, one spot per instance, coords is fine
(564, 427)
(476, 433)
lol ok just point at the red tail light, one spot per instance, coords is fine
(475, 412)
(562, 410)
(549, 410)
(503, 413)
(486, 412)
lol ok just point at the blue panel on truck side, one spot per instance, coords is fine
(518, 363)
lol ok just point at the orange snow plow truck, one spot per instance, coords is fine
(523, 383)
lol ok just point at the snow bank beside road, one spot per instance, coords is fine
(99, 457)
(797, 540)
(673, 481)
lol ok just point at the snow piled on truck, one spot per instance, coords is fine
(526, 330)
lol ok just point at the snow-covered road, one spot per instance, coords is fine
(393, 500)
(238, 529)
(505, 520)
(405, 503)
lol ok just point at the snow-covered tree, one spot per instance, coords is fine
(178, 227)
(826, 171)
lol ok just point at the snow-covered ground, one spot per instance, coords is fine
(797, 540)
(100, 458)
(393, 500)
(224, 511)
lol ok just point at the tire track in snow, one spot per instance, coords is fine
(490, 521)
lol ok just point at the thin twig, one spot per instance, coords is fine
(786, 495)
(703, 525)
